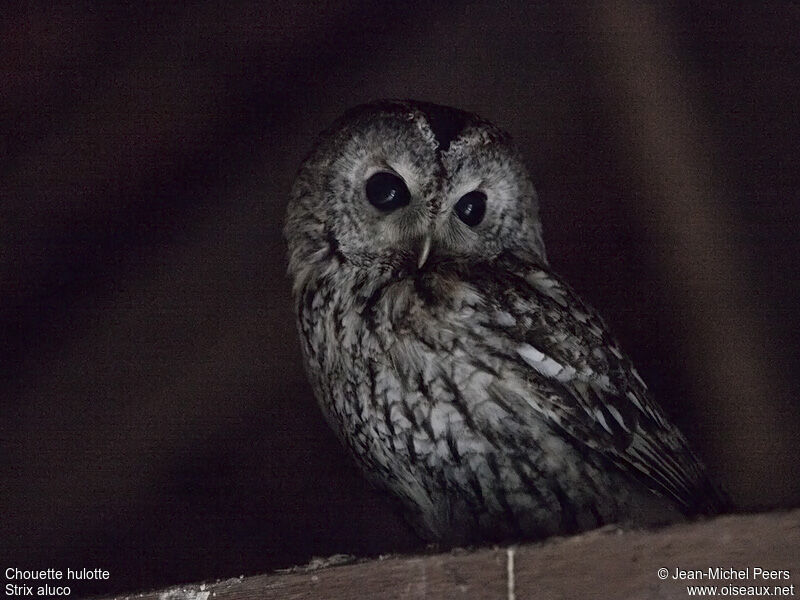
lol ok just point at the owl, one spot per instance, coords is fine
(463, 375)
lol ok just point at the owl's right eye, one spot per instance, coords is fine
(386, 191)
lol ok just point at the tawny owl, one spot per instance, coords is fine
(463, 375)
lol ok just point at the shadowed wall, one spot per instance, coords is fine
(156, 420)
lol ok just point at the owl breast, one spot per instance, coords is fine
(422, 395)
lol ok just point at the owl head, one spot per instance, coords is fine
(406, 185)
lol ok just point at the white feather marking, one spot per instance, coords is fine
(547, 286)
(469, 296)
(399, 419)
(567, 373)
(539, 361)
(638, 378)
(580, 316)
(603, 382)
(440, 418)
(547, 366)
(615, 413)
(595, 330)
(505, 319)
(599, 416)
(530, 354)
(632, 397)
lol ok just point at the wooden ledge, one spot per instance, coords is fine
(607, 563)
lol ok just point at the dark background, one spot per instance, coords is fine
(156, 421)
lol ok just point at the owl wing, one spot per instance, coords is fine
(581, 383)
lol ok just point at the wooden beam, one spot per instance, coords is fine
(607, 563)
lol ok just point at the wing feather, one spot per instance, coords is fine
(584, 384)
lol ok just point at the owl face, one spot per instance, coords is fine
(409, 184)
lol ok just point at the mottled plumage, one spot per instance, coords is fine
(463, 375)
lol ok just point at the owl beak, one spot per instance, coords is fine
(424, 250)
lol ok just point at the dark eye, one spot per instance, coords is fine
(471, 208)
(386, 191)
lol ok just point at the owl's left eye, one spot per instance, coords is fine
(471, 208)
(386, 191)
